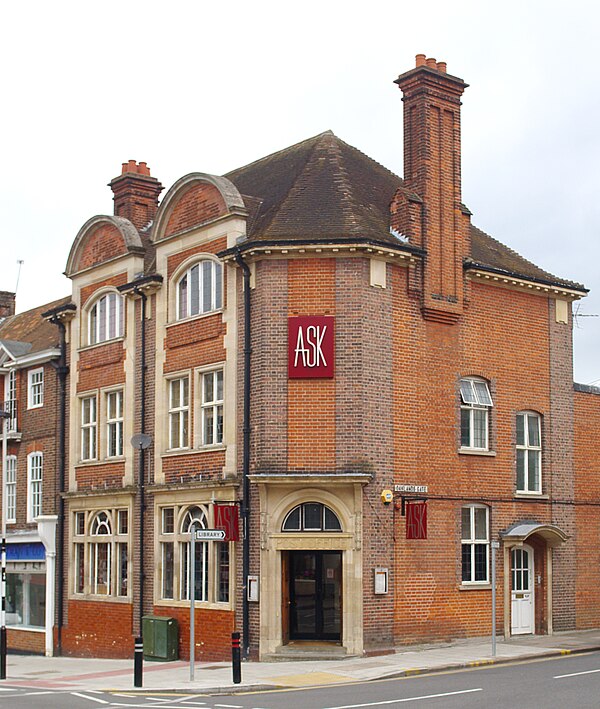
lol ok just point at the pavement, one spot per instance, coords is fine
(84, 674)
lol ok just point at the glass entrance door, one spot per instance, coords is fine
(315, 595)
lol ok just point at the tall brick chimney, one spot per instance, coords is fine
(136, 193)
(432, 158)
(7, 304)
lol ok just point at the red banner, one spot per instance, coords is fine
(226, 517)
(311, 347)
(416, 520)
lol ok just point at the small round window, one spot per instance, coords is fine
(311, 517)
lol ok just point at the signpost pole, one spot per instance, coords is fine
(495, 545)
(192, 587)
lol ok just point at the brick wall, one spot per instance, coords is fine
(98, 629)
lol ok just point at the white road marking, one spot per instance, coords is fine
(230, 706)
(92, 699)
(407, 699)
(576, 674)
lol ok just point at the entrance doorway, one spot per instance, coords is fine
(314, 583)
(522, 615)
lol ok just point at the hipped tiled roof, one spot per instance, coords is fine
(30, 328)
(323, 188)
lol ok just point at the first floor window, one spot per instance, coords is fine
(179, 413)
(211, 559)
(529, 452)
(101, 553)
(35, 472)
(88, 428)
(11, 489)
(26, 599)
(212, 408)
(114, 424)
(476, 402)
(35, 388)
(475, 543)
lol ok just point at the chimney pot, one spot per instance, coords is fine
(143, 168)
(420, 60)
(441, 66)
(431, 63)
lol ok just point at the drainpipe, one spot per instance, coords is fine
(144, 367)
(245, 506)
(62, 371)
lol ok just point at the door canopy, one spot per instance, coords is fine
(520, 532)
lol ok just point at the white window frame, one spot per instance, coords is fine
(188, 306)
(472, 541)
(476, 403)
(11, 489)
(35, 388)
(529, 449)
(106, 322)
(35, 479)
(114, 424)
(89, 428)
(179, 414)
(213, 407)
(10, 398)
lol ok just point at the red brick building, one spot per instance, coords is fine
(384, 390)
(30, 358)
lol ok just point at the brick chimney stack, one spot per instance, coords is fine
(7, 304)
(432, 157)
(136, 193)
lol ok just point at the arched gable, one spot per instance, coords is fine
(193, 200)
(101, 239)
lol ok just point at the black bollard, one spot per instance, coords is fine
(236, 658)
(138, 658)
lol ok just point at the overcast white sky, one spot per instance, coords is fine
(198, 86)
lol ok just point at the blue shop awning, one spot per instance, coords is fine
(27, 551)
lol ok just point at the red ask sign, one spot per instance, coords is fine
(226, 517)
(311, 347)
(416, 520)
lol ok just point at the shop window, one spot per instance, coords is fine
(200, 289)
(476, 402)
(475, 544)
(212, 561)
(311, 517)
(26, 600)
(105, 318)
(35, 388)
(529, 453)
(35, 474)
(101, 553)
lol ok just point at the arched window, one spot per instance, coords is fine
(101, 552)
(311, 517)
(200, 289)
(100, 556)
(196, 518)
(105, 318)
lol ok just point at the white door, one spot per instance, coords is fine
(522, 591)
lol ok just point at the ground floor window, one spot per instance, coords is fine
(211, 558)
(101, 552)
(475, 544)
(26, 599)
